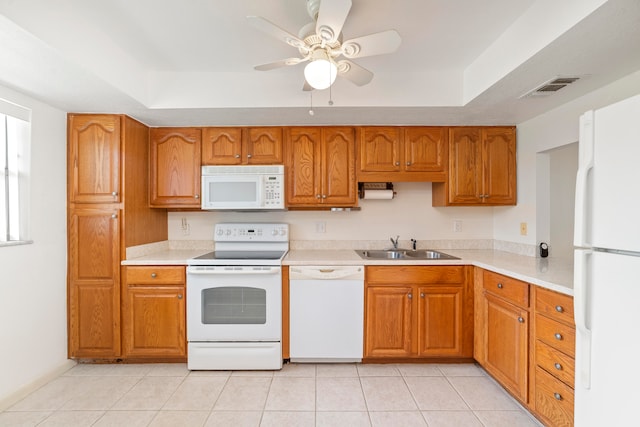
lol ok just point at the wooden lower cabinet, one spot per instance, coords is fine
(153, 312)
(93, 282)
(507, 344)
(418, 312)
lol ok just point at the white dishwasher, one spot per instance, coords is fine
(326, 313)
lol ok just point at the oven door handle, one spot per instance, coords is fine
(208, 272)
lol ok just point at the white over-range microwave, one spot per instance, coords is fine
(243, 187)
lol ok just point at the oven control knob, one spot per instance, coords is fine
(283, 231)
(274, 232)
(228, 232)
(219, 231)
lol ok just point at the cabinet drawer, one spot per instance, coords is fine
(152, 275)
(505, 287)
(556, 334)
(554, 400)
(555, 305)
(556, 363)
(416, 275)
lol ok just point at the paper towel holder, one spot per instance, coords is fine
(362, 186)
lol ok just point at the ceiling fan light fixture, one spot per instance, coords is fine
(320, 73)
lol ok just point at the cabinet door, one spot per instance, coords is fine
(499, 169)
(175, 167)
(388, 319)
(93, 283)
(221, 146)
(94, 158)
(303, 166)
(380, 149)
(154, 321)
(425, 149)
(339, 178)
(263, 146)
(465, 166)
(507, 345)
(440, 320)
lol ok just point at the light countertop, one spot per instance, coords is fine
(551, 273)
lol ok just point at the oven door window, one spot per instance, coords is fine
(234, 306)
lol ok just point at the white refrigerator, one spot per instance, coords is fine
(607, 267)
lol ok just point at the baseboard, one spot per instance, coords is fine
(24, 391)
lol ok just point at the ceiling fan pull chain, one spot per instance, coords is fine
(330, 93)
(311, 113)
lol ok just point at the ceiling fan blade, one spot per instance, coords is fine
(373, 44)
(273, 30)
(353, 72)
(331, 17)
(279, 64)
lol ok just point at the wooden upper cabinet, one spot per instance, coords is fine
(482, 168)
(263, 146)
(242, 146)
(175, 158)
(222, 146)
(320, 167)
(425, 149)
(416, 153)
(380, 149)
(499, 156)
(93, 158)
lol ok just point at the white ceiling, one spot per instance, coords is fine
(177, 62)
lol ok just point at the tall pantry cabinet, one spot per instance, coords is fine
(108, 211)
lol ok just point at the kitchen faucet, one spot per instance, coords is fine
(394, 242)
(414, 244)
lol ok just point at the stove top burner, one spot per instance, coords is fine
(243, 255)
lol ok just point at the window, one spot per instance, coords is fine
(14, 148)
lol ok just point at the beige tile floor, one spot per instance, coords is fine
(298, 395)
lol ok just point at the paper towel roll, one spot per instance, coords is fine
(378, 194)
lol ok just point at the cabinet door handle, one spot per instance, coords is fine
(248, 156)
(421, 294)
(500, 286)
(179, 296)
(410, 296)
(559, 309)
(114, 194)
(520, 319)
(197, 196)
(397, 163)
(154, 275)
(317, 196)
(557, 366)
(558, 335)
(558, 396)
(237, 156)
(114, 216)
(408, 163)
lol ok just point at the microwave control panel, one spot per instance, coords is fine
(274, 191)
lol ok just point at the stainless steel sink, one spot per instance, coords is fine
(403, 254)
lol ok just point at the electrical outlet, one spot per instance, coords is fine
(321, 227)
(457, 225)
(185, 227)
(523, 228)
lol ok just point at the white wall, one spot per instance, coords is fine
(563, 169)
(33, 328)
(552, 129)
(409, 215)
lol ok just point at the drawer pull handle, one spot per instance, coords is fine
(558, 336)
(520, 319)
(154, 275)
(499, 285)
(559, 309)
(179, 296)
(558, 396)
(557, 366)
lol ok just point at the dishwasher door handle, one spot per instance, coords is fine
(326, 273)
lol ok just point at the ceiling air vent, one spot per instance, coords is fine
(550, 86)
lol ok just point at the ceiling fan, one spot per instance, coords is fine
(320, 43)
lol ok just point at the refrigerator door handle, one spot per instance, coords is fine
(580, 300)
(585, 164)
